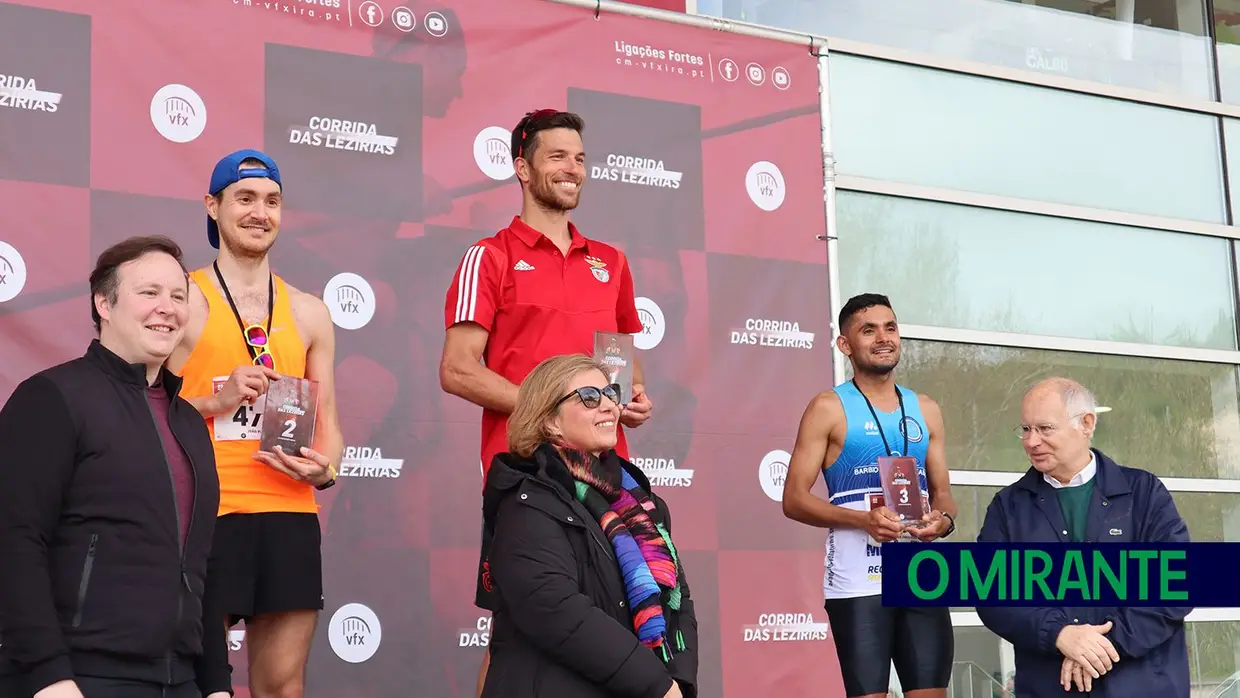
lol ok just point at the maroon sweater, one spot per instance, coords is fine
(178, 462)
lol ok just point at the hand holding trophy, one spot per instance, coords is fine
(902, 492)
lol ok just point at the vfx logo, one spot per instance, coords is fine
(765, 185)
(654, 325)
(355, 630)
(496, 151)
(493, 152)
(350, 299)
(12, 272)
(772, 473)
(178, 113)
(355, 633)
(647, 319)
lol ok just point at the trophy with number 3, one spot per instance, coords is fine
(902, 490)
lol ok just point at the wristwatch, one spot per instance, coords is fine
(950, 529)
(330, 483)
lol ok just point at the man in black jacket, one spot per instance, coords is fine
(108, 499)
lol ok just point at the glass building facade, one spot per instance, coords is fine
(1042, 187)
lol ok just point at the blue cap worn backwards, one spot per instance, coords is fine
(228, 171)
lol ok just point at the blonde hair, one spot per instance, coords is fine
(538, 396)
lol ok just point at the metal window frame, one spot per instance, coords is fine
(951, 335)
(1028, 77)
(1003, 478)
(1039, 208)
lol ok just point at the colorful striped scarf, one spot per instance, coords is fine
(648, 561)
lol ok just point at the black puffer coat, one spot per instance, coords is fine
(562, 626)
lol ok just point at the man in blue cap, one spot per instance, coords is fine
(248, 329)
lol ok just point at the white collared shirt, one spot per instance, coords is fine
(1086, 474)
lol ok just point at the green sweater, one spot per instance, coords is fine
(1074, 501)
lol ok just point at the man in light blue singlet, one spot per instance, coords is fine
(842, 434)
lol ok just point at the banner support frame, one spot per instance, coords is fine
(600, 7)
(831, 235)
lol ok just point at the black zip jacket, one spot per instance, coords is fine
(95, 580)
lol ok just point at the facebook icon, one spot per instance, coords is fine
(371, 13)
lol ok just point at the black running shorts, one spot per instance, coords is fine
(267, 563)
(869, 638)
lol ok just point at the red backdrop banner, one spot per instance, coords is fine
(390, 123)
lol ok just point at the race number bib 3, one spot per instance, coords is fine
(244, 423)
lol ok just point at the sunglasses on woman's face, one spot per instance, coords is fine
(591, 396)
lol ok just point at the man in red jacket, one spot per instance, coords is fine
(534, 290)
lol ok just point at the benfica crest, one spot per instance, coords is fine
(599, 268)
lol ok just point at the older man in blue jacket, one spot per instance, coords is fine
(1075, 493)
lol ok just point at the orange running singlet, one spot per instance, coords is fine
(247, 486)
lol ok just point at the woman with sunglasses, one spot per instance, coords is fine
(591, 595)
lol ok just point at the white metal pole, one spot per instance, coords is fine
(838, 360)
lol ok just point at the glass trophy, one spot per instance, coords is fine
(902, 492)
(289, 415)
(615, 351)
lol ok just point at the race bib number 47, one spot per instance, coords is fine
(244, 423)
